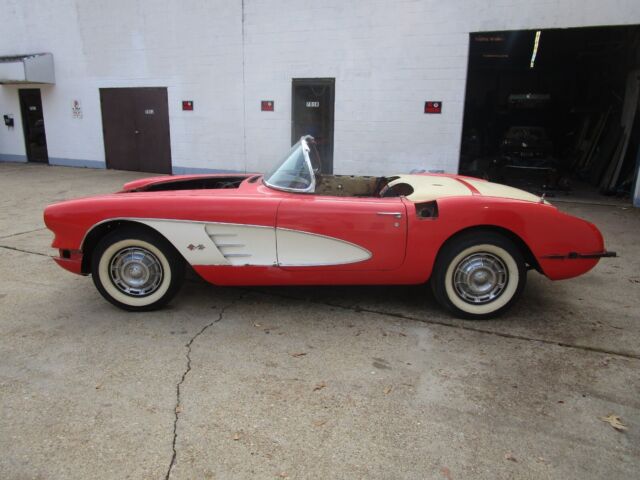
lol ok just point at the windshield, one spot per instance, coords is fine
(294, 173)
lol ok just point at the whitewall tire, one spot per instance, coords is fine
(479, 275)
(136, 270)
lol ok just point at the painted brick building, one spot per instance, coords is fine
(385, 58)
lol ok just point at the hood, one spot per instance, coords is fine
(427, 188)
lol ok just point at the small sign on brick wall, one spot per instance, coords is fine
(267, 105)
(433, 106)
(76, 109)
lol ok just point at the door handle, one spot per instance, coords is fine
(394, 214)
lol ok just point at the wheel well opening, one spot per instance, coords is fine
(528, 255)
(99, 231)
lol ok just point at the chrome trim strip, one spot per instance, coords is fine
(138, 219)
(146, 219)
(318, 264)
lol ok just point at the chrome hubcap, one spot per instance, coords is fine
(136, 271)
(480, 278)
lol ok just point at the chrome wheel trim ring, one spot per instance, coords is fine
(480, 278)
(135, 271)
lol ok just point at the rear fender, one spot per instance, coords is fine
(542, 228)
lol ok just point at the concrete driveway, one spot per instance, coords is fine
(331, 383)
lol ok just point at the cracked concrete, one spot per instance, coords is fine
(333, 382)
(178, 407)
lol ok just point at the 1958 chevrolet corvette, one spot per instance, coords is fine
(472, 239)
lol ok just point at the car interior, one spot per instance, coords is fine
(360, 186)
(353, 185)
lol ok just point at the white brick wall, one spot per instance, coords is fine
(387, 57)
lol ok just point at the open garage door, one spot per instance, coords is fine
(555, 111)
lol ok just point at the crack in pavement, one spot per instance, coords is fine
(25, 251)
(513, 336)
(177, 408)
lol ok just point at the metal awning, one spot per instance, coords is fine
(32, 68)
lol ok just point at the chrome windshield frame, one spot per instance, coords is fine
(307, 160)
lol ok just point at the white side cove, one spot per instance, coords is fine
(234, 244)
(297, 248)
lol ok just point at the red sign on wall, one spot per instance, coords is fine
(433, 107)
(266, 105)
(187, 105)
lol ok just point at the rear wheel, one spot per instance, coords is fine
(479, 275)
(136, 270)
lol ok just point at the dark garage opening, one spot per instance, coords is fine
(555, 111)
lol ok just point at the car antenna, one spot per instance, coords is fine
(544, 194)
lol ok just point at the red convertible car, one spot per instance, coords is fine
(472, 239)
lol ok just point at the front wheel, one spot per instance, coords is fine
(136, 270)
(479, 275)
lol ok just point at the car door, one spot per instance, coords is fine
(343, 233)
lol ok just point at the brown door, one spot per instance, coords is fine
(135, 122)
(35, 139)
(312, 114)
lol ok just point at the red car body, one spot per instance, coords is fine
(559, 245)
(475, 240)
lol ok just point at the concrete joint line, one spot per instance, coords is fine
(25, 251)
(186, 372)
(22, 233)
